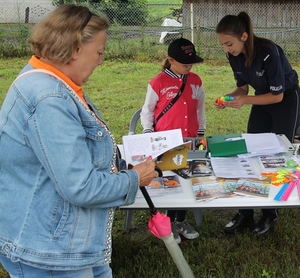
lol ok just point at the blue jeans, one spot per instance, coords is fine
(20, 270)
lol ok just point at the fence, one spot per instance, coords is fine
(139, 21)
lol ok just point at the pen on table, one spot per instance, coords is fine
(233, 139)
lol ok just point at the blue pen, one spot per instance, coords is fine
(281, 192)
(233, 139)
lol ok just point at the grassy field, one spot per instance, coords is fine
(118, 89)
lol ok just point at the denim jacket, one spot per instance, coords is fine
(58, 188)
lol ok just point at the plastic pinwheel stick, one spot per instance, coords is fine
(281, 191)
(298, 187)
(298, 182)
(146, 195)
(288, 191)
(160, 226)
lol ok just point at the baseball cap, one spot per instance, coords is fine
(183, 51)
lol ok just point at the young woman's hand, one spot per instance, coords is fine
(237, 103)
(219, 105)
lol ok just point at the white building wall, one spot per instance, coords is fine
(14, 11)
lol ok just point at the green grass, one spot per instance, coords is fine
(118, 89)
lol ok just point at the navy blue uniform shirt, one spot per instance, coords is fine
(270, 70)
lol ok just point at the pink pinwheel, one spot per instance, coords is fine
(159, 225)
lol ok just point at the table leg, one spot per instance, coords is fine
(128, 219)
(198, 217)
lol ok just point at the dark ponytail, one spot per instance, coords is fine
(236, 26)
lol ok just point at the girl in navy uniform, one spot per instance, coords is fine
(261, 64)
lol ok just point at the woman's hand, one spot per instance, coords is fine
(237, 103)
(146, 172)
(239, 94)
(219, 105)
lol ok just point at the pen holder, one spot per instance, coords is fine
(194, 152)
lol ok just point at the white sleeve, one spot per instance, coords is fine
(201, 112)
(147, 113)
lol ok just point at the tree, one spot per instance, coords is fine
(121, 12)
(61, 2)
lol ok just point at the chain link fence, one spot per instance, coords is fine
(159, 23)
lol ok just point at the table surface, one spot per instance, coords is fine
(186, 199)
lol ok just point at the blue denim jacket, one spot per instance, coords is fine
(58, 189)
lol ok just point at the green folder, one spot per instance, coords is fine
(220, 145)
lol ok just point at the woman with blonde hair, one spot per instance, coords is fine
(59, 176)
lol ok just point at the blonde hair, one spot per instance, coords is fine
(65, 29)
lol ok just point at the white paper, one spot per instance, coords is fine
(234, 167)
(262, 144)
(138, 147)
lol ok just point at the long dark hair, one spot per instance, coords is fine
(236, 25)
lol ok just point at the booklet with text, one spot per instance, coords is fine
(167, 148)
(235, 167)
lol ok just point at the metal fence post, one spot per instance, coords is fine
(192, 22)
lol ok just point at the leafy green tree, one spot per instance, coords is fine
(60, 2)
(121, 12)
(126, 13)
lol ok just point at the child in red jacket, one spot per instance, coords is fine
(175, 99)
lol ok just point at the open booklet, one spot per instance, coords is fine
(167, 148)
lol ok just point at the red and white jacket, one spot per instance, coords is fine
(187, 113)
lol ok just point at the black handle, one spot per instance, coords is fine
(146, 194)
(148, 200)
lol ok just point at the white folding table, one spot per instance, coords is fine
(186, 200)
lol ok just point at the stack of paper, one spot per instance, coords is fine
(234, 167)
(262, 144)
